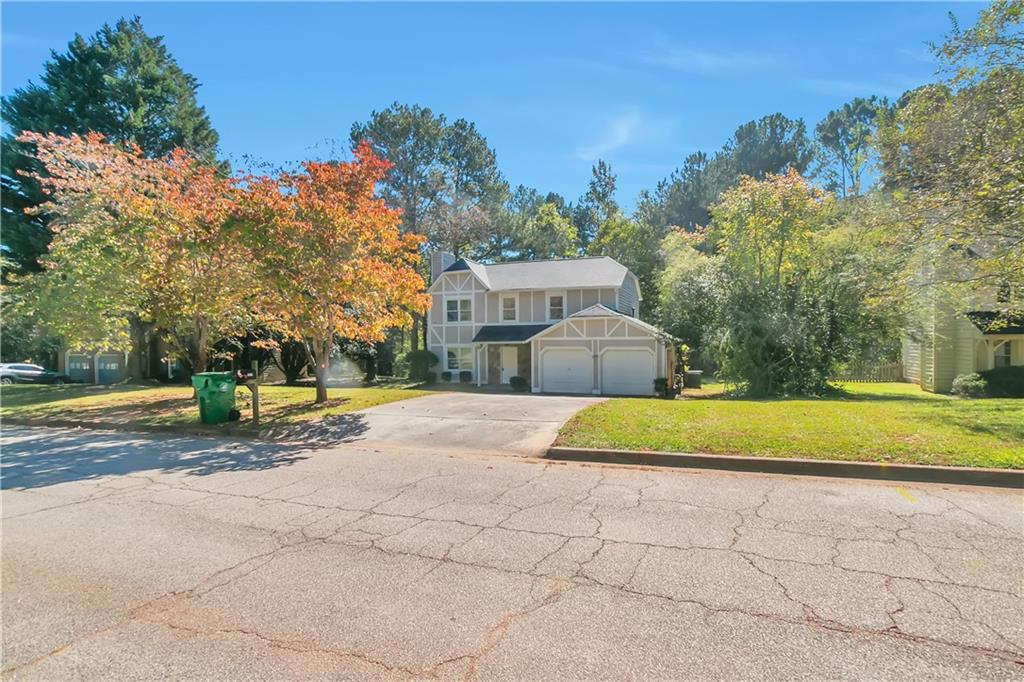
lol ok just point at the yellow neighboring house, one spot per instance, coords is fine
(953, 344)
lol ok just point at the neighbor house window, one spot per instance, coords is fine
(459, 310)
(460, 358)
(556, 307)
(508, 309)
(1002, 358)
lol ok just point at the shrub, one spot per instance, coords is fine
(520, 384)
(420, 362)
(465, 376)
(1004, 382)
(446, 376)
(430, 378)
(970, 386)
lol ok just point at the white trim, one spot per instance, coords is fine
(501, 308)
(467, 296)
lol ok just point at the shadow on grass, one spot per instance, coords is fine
(25, 395)
(35, 458)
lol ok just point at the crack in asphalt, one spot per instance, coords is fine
(297, 537)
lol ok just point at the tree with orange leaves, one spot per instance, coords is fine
(137, 242)
(332, 258)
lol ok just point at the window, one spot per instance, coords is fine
(459, 310)
(1002, 358)
(460, 358)
(508, 309)
(556, 307)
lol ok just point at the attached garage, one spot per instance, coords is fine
(602, 351)
(627, 371)
(567, 370)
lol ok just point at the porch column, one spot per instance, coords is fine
(481, 367)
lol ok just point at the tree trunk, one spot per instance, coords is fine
(200, 354)
(137, 366)
(322, 359)
(415, 331)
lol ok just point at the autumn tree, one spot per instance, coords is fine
(332, 256)
(121, 83)
(137, 241)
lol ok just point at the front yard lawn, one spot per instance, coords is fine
(173, 405)
(866, 422)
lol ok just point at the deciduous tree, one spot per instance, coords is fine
(333, 259)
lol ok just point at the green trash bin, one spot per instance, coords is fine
(215, 393)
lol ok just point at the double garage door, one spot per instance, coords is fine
(622, 371)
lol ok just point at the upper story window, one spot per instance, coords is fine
(556, 307)
(459, 310)
(508, 309)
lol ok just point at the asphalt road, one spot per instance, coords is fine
(141, 557)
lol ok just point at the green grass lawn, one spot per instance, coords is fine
(168, 405)
(867, 422)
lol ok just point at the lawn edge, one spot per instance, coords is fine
(918, 473)
(179, 429)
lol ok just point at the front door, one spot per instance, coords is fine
(509, 363)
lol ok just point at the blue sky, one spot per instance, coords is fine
(552, 87)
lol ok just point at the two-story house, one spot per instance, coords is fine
(564, 326)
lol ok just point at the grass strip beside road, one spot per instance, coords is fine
(149, 406)
(861, 422)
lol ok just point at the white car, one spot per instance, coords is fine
(24, 373)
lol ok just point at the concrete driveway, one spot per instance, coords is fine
(521, 425)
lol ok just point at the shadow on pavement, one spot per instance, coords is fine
(35, 458)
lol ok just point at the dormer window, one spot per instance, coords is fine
(509, 312)
(556, 307)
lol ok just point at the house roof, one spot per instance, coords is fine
(494, 333)
(992, 322)
(564, 273)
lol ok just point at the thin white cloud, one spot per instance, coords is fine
(618, 132)
(707, 62)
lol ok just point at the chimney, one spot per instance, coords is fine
(439, 262)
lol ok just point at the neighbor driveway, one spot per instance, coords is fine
(513, 424)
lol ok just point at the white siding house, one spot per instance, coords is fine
(564, 326)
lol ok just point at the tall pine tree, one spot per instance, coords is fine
(120, 82)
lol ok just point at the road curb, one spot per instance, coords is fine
(918, 473)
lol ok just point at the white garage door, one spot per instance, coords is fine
(626, 371)
(567, 370)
